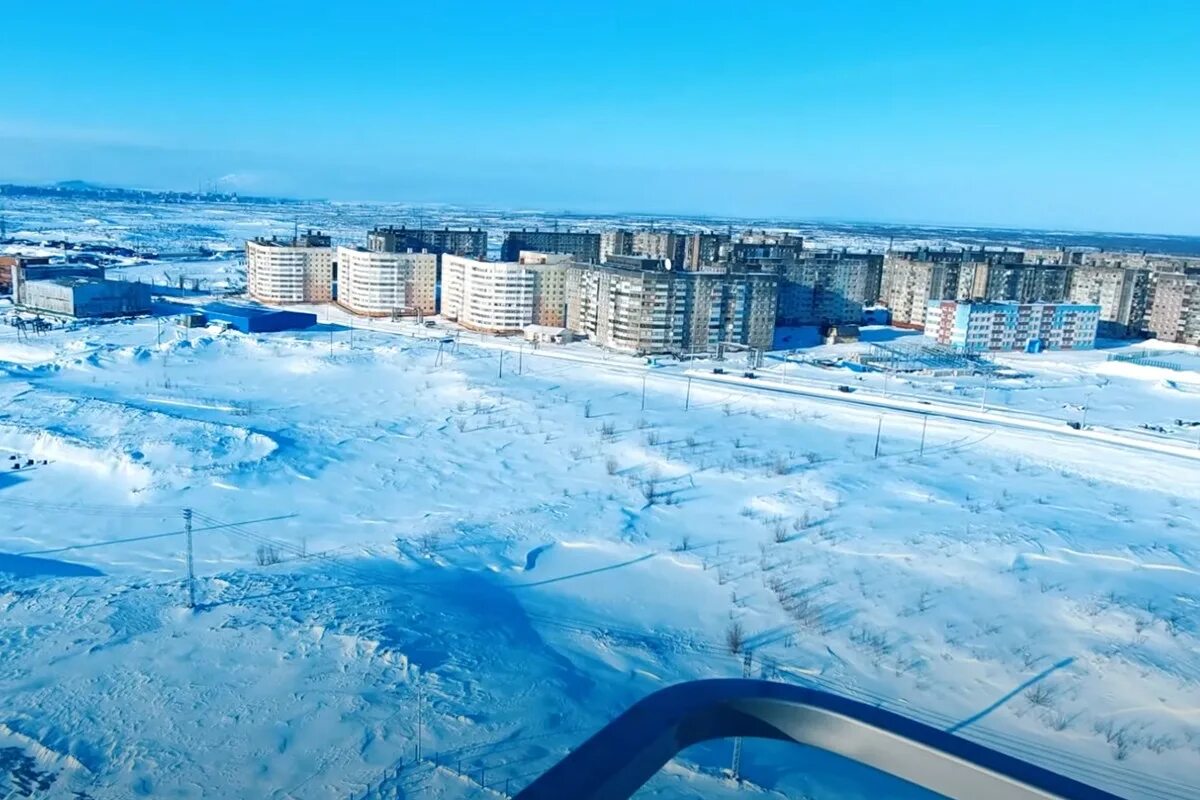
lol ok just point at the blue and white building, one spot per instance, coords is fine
(1032, 327)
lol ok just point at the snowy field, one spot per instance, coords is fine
(395, 530)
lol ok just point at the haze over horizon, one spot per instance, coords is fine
(1075, 117)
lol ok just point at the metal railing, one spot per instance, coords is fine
(626, 753)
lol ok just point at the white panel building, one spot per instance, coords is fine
(493, 296)
(386, 283)
(297, 271)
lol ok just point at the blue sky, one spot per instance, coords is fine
(1081, 115)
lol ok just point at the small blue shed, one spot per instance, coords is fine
(249, 318)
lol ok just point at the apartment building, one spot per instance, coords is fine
(1033, 327)
(470, 242)
(913, 278)
(385, 283)
(1123, 295)
(549, 286)
(583, 246)
(505, 296)
(643, 306)
(758, 247)
(1174, 314)
(824, 287)
(299, 270)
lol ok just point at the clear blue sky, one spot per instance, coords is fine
(1049, 114)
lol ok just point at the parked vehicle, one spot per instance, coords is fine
(845, 388)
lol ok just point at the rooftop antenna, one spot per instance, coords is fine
(295, 230)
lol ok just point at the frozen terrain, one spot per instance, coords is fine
(385, 524)
(504, 548)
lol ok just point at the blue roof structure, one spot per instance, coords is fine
(249, 318)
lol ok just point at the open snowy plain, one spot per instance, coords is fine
(522, 556)
(493, 550)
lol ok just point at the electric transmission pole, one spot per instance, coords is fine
(191, 569)
(747, 663)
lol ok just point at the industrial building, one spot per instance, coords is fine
(1033, 327)
(583, 246)
(1174, 314)
(644, 306)
(470, 242)
(299, 270)
(77, 290)
(249, 318)
(8, 263)
(385, 283)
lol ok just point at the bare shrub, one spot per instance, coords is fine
(652, 438)
(611, 465)
(608, 430)
(266, 555)
(735, 637)
(779, 532)
(1039, 695)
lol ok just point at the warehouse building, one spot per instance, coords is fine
(249, 318)
(74, 290)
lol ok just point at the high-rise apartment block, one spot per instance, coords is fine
(691, 251)
(1123, 295)
(823, 287)
(583, 246)
(1174, 314)
(639, 305)
(504, 296)
(549, 286)
(299, 270)
(982, 327)
(471, 242)
(387, 283)
(913, 278)
(757, 248)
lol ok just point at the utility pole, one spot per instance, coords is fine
(924, 425)
(878, 435)
(987, 381)
(736, 767)
(501, 372)
(419, 719)
(191, 569)
(687, 398)
(643, 392)
(521, 358)
(331, 342)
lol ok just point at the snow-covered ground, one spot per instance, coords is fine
(507, 547)
(526, 554)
